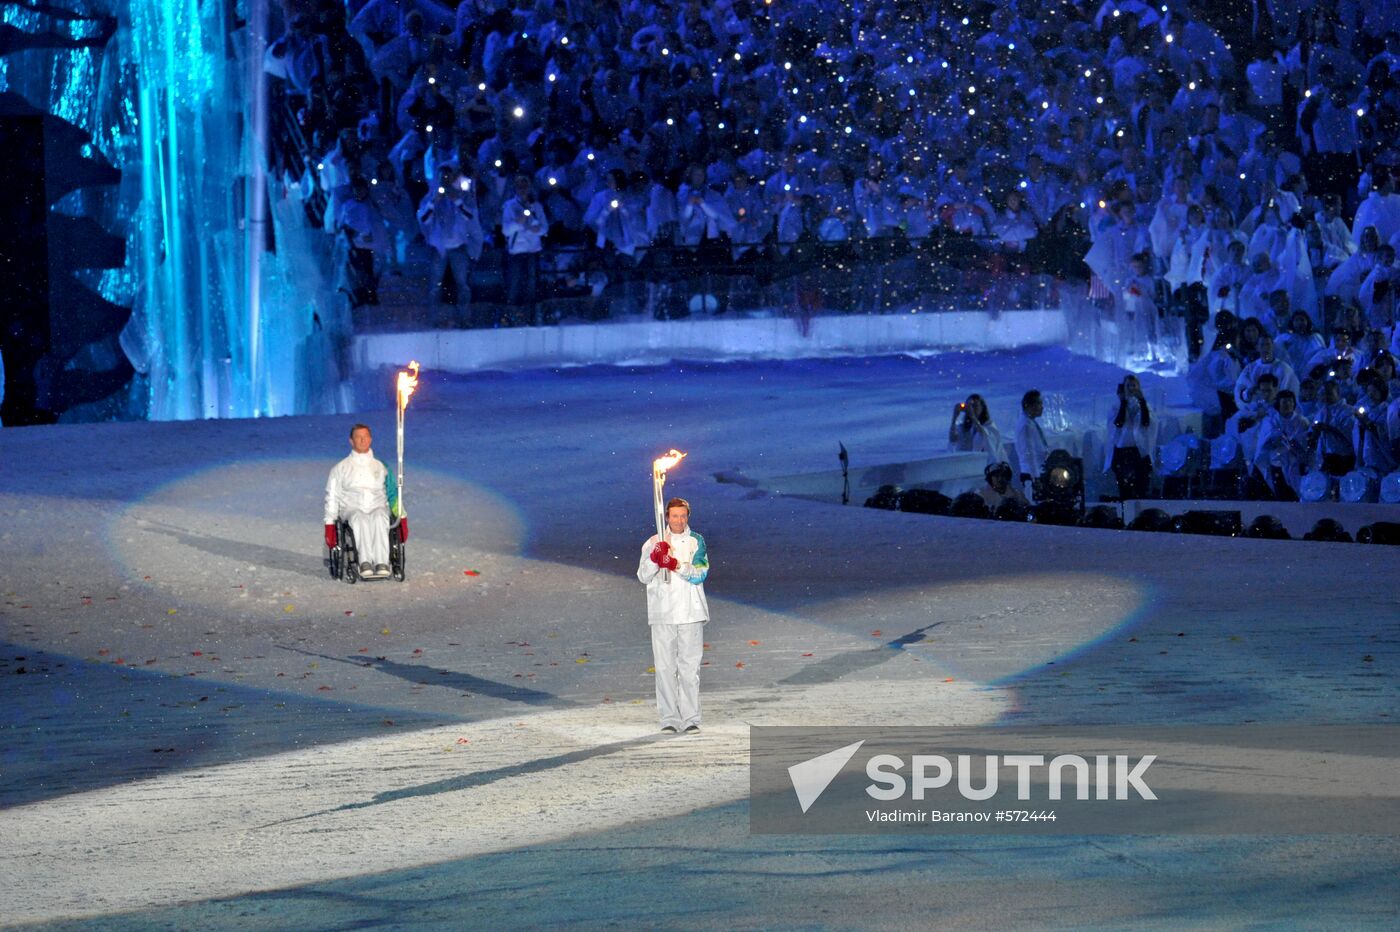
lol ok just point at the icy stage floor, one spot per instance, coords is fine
(209, 733)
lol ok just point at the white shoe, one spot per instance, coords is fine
(381, 570)
(366, 569)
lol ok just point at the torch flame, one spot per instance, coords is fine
(665, 463)
(407, 384)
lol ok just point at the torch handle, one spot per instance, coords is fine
(658, 484)
(399, 507)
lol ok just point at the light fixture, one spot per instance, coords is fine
(1061, 481)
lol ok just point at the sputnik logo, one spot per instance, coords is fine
(811, 777)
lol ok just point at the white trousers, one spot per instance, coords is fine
(371, 530)
(676, 653)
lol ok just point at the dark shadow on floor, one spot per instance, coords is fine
(69, 725)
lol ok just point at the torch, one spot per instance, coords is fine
(659, 467)
(407, 383)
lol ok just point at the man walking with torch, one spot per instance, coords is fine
(674, 564)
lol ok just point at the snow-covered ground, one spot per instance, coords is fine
(199, 729)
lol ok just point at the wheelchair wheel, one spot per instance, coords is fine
(349, 555)
(397, 554)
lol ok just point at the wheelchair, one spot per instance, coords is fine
(343, 560)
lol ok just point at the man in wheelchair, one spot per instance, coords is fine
(361, 494)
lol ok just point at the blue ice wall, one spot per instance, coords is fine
(166, 99)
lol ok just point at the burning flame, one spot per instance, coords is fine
(664, 463)
(407, 384)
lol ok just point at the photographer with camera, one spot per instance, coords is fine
(973, 430)
(1130, 434)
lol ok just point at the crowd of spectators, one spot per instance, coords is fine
(1193, 161)
(1230, 166)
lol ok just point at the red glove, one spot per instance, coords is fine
(403, 530)
(660, 552)
(330, 536)
(668, 563)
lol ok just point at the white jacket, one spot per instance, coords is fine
(358, 483)
(681, 600)
(1031, 448)
(1287, 378)
(523, 234)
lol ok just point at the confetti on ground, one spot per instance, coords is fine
(876, 633)
(418, 650)
(289, 608)
(348, 612)
(948, 679)
(581, 660)
(103, 652)
(471, 572)
(651, 669)
(754, 643)
(385, 631)
(463, 741)
(171, 611)
(363, 650)
(807, 654)
(740, 664)
(196, 653)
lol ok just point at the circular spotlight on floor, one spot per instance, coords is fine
(1317, 487)
(1153, 519)
(1359, 485)
(1267, 527)
(1328, 530)
(1390, 488)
